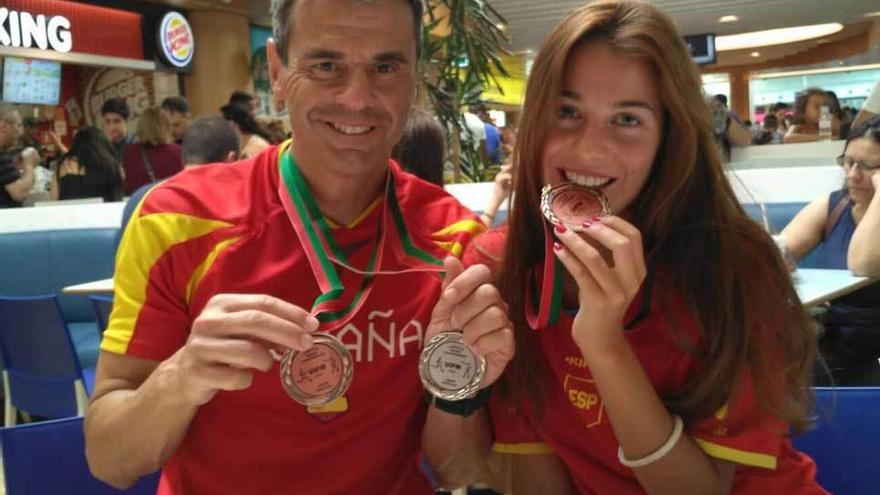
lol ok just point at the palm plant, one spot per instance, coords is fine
(456, 68)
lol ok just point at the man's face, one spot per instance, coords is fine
(115, 127)
(179, 124)
(10, 130)
(349, 82)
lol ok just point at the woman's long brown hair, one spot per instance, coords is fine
(725, 266)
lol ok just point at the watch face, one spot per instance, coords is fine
(319, 375)
(571, 204)
(448, 369)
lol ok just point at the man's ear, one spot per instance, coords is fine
(231, 157)
(276, 67)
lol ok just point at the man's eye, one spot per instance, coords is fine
(386, 68)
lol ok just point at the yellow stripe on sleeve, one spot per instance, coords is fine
(469, 225)
(205, 265)
(531, 448)
(145, 241)
(452, 247)
(738, 456)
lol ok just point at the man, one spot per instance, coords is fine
(214, 281)
(177, 108)
(493, 136)
(30, 138)
(115, 114)
(245, 101)
(16, 168)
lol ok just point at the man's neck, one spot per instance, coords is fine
(343, 198)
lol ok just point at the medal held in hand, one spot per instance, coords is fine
(571, 204)
(448, 369)
(319, 375)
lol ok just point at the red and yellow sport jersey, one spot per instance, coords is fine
(574, 424)
(223, 229)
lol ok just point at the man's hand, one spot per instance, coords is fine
(470, 303)
(233, 336)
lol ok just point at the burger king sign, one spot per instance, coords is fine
(176, 41)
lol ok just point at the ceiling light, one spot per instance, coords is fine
(755, 54)
(873, 14)
(501, 26)
(775, 36)
(728, 18)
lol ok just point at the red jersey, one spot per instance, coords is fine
(223, 229)
(574, 425)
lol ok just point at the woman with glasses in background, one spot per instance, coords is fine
(845, 227)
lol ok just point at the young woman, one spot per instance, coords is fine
(155, 156)
(88, 170)
(253, 138)
(681, 355)
(807, 109)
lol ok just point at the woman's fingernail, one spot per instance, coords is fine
(557, 246)
(306, 341)
(560, 229)
(587, 224)
(597, 218)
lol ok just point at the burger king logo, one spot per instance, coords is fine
(176, 40)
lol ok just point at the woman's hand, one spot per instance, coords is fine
(605, 287)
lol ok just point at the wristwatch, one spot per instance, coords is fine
(464, 407)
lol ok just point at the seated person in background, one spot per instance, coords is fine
(871, 106)
(421, 150)
(89, 169)
(728, 131)
(769, 133)
(207, 140)
(781, 111)
(254, 138)
(16, 167)
(177, 108)
(154, 156)
(807, 109)
(845, 227)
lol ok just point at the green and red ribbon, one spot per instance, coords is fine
(337, 304)
(544, 288)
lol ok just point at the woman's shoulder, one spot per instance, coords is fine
(487, 248)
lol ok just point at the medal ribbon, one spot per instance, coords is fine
(332, 308)
(549, 297)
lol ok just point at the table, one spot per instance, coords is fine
(817, 285)
(104, 286)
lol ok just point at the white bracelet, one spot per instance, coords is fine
(658, 454)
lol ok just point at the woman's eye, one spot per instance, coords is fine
(627, 120)
(567, 112)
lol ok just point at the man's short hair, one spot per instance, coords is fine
(7, 112)
(209, 140)
(116, 105)
(240, 98)
(282, 29)
(176, 104)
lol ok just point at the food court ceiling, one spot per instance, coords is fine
(530, 20)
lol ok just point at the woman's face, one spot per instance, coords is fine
(814, 108)
(859, 183)
(607, 124)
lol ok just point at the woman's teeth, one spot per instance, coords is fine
(586, 180)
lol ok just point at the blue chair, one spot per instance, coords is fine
(845, 439)
(49, 458)
(42, 374)
(102, 306)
